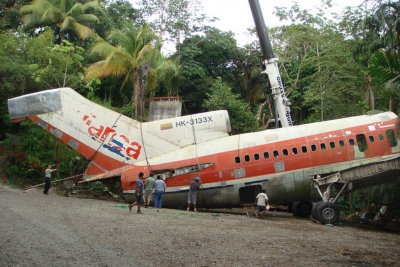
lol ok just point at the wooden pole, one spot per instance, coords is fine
(54, 181)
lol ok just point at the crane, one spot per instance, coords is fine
(270, 61)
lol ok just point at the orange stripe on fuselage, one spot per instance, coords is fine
(224, 163)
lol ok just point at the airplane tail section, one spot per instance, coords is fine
(107, 138)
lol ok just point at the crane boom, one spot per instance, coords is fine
(281, 103)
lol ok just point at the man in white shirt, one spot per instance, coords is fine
(262, 202)
(47, 177)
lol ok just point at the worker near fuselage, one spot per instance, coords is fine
(262, 202)
(192, 195)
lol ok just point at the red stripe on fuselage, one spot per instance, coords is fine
(104, 162)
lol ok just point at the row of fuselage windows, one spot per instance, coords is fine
(361, 140)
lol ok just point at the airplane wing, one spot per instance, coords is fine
(119, 171)
(108, 175)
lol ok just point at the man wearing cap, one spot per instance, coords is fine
(194, 186)
(138, 193)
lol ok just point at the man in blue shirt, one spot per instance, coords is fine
(138, 193)
(159, 186)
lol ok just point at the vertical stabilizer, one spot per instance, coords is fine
(109, 139)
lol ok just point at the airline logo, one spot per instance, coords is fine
(112, 140)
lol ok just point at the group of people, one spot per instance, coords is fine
(144, 190)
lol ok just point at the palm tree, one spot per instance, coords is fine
(66, 14)
(378, 29)
(132, 49)
(385, 69)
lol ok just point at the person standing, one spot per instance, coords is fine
(138, 193)
(192, 195)
(159, 190)
(262, 202)
(47, 177)
(148, 191)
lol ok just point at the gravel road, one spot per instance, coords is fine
(52, 230)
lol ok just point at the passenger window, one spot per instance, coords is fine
(313, 148)
(381, 137)
(266, 155)
(391, 136)
(237, 159)
(351, 141)
(285, 152)
(332, 144)
(371, 138)
(304, 149)
(361, 142)
(341, 143)
(276, 153)
(256, 157)
(294, 150)
(247, 158)
(323, 146)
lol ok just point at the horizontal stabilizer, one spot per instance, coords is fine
(34, 104)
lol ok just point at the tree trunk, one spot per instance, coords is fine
(56, 158)
(137, 95)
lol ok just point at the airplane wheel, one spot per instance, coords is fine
(303, 209)
(314, 211)
(294, 208)
(328, 213)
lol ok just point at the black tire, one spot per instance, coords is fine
(314, 212)
(328, 213)
(294, 208)
(303, 209)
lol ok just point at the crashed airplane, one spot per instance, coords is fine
(298, 166)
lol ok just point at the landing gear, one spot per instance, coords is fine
(314, 212)
(302, 209)
(325, 212)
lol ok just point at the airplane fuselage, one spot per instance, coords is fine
(240, 166)
(233, 169)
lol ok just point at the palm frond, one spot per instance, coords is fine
(385, 67)
(86, 18)
(102, 49)
(93, 4)
(81, 30)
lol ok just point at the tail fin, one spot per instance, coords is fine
(111, 140)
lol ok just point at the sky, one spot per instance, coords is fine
(235, 15)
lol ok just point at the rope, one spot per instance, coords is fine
(198, 163)
(120, 114)
(54, 181)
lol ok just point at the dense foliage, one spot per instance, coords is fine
(331, 68)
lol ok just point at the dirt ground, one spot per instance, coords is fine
(53, 230)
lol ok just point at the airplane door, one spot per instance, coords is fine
(248, 194)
